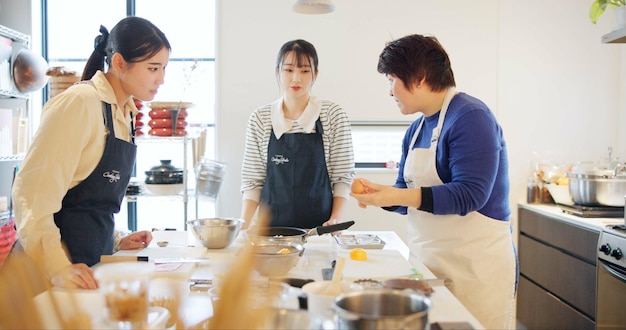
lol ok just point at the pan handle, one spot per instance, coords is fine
(321, 230)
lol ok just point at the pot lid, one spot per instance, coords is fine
(165, 167)
(598, 170)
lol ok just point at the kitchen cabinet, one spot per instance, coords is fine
(557, 287)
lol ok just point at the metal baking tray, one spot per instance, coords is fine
(364, 241)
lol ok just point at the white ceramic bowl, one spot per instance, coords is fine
(560, 193)
(165, 189)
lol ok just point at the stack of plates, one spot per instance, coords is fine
(139, 118)
(161, 118)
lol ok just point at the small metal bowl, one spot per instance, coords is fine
(162, 243)
(216, 233)
(277, 259)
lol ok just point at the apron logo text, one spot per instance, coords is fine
(113, 176)
(280, 159)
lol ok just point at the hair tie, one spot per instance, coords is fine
(100, 43)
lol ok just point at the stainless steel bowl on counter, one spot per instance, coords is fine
(598, 186)
(382, 309)
(277, 258)
(216, 233)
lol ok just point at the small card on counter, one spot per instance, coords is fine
(363, 241)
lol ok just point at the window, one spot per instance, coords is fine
(377, 143)
(190, 28)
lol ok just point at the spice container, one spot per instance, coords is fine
(533, 192)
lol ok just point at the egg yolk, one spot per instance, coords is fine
(358, 254)
(283, 251)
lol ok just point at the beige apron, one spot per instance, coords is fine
(474, 252)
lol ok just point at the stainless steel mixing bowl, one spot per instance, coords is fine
(216, 233)
(277, 258)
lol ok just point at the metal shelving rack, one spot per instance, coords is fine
(132, 200)
(25, 41)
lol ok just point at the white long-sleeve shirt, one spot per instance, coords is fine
(66, 148)
(337, 139)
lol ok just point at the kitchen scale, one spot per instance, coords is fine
(593, 211)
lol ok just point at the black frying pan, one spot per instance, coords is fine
(292, 234)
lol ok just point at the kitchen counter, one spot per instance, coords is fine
(553, 211)
(389, 262)
(557, 252)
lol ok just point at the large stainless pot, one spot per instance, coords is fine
(382, 309)
(598, 186)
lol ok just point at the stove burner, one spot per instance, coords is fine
(593, 211)
(621, 227)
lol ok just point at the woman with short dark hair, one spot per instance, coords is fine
(452, 181)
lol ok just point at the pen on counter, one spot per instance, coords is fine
(112, 258)
(108, 258)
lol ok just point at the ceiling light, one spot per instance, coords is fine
(313, 6)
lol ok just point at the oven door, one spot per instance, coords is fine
(611, 297)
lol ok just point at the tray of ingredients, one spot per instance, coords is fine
(364, 241)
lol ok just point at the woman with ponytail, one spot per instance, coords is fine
(77, 168)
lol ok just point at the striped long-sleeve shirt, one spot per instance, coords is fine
(337, 140)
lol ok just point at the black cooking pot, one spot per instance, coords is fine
(292, 234)
(165, 173)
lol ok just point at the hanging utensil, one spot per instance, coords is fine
(174, 116)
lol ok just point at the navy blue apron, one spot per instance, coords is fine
(86, 218)
(297, 187)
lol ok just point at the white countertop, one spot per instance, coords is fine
(389, 262)
(553, 211)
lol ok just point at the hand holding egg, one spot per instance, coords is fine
(358, 188)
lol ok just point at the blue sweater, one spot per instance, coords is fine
(471, 161)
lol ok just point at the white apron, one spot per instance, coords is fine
(474, 252)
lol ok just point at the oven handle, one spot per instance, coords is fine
(616, 271)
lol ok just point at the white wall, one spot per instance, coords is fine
(538, 64)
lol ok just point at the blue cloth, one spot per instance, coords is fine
(472, 160)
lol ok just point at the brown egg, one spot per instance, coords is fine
(358, 187)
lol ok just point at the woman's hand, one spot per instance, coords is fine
(76, 276)
(331, 222)
(136, 240)
(382, 195)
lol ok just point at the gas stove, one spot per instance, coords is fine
(612, 245)
(611, 278)
(593, 211)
